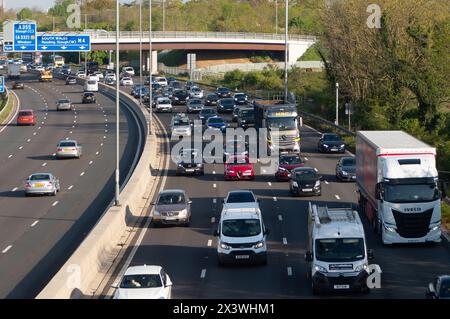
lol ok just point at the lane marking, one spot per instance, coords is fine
(305, 158)
(70, 132)
(104, 136)
(70, 187)
(73, 126)
(284, 241)
(82, 173)
(275, 199)
(29, 140)
(269, 183)
(101, 144)
(54, 154)
(39, 127)
(44, 164)
(214, 172)
(67, 138)
(280, 218)
(214, 185)
(20, 147)
(34, 133)
(4, 251)
(203, 273)
(213, 220)
(214, 200)
(289, 271)
(34, 224)
(10, 156)
(90, 163)
(264, 171)
(55, 203)
(326, 182)
(14, 189)
(209, 243)
(337, 197)
(96, 153)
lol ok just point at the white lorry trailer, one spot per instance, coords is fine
(337, 254)
(13, 71)
(397, 184)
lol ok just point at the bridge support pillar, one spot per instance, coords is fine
(295, 51)
(146, 61)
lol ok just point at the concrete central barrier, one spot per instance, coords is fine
(81, 275)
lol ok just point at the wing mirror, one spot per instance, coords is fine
(190, 202)
(431, 292)
(267, 231)
(308, 256)
(370, 254)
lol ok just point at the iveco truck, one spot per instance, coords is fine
(281, 122)
(397, 183)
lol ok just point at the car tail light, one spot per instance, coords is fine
(49, 184)
(27, 185)
(59, 149)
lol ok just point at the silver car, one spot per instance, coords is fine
(68, 148)
(42, 183)
(172, 207)
(63, 104)
(194, 105)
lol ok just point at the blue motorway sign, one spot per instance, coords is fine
(24, 37)
(62, 43)
(8, 47)
(2, 84)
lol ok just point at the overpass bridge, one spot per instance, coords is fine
(188, 40)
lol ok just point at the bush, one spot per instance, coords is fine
(445, 211)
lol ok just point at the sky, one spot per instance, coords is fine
(40, 4)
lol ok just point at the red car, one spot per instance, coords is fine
(287, 163)
(26, 117)
(239, 167)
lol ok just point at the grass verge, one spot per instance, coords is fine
(7, 110)
(445, 211)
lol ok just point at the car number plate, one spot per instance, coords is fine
(306, 189)
(189, 170)
(334, 149)
(247, 174)
(341, 286)
(242, 256)
(66, 150)
(39, 185)
(353, 177)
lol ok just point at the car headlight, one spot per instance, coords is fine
(243, 121)
(199, 165)
(156, 213)
(342, 145)
(320, 268)
(317, 184)
(183, 212)
(435, 228)
(325, 145)
(259, 244)
(294, 184)
(224, 246)
(281, 169)
(390, 229)
(176, 98)
(361, 267)
(297, 139)
(344, 173)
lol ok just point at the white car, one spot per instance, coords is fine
(110, 76)
(241, 198)
(196, 92)
(99, 75)
(129, 70)
(163, 104)
(80, 74)
(126, 81)
(91, 85)
(68, 148)
(144, 282)
(161, 80)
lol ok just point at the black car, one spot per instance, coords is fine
(211, 99)
(240, 98)
(331, 142)
(189, 85)
(234, 116)
(223, 92)
(170, 79)
(190, 162)
(180, 97)
(176, 85)
(246, 117)
(88, 97)
(305, 181)
(147, 80)
(346, 169)
(206, 113)
(18, 86)
(225, 105)
(439, 288)
(71, 80)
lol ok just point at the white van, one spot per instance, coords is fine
(241, 236)
(129, 70)
(337, 254)
(161, 81)
(91, 85)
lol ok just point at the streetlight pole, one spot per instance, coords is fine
(164, 15)
(140, 51)
(286, 52)
(150, 68)
(117, 188)
(337, 103)
(85, 53)
(276, 16)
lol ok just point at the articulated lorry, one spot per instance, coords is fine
(281, 121)
(13, 71)
(397, 184)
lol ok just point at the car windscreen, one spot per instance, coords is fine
(171, 199)
(67, 144)
(414, 193)
(25, 113)
(247, 113)
(331, 138)
(215, 120)
(212, 97)
(181, 92)
(240, 197)
(240, 96)
(92, 82)
(348, 162)
(233, 160)
(63, 101)
(306, 175)
(241, 227)
(290, 160)
(181, 122)
(164, 101)
(141, 281)
(339, 249)
(39, 177)
(207, 111)
(195, 102)
(227, 102)
(223, 90)
(88, 94)
(445, 288)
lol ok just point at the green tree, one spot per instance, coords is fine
(25, 14)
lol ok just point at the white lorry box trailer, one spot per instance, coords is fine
(397, 183)
(13, 71)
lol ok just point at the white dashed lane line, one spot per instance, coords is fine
(275, 199)
(70, 187)
(203, 273)
(82, 174)
(29, 140)
(55, 203)
(284, 241)
(209, 243)
(213, 220)
(10, 155)
(96, 153)
(14, 189)
(337, 197)
(34, 224)
(4, 251)
(20, 147)
(326, 182)
(280, 218)
(269, 183)
(214, 185)
(44, 164)
(90, 163)
(305, 158)
(289, 271)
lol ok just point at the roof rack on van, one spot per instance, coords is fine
(324, 215)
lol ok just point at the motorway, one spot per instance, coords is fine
(190, 258)
(38, 234)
